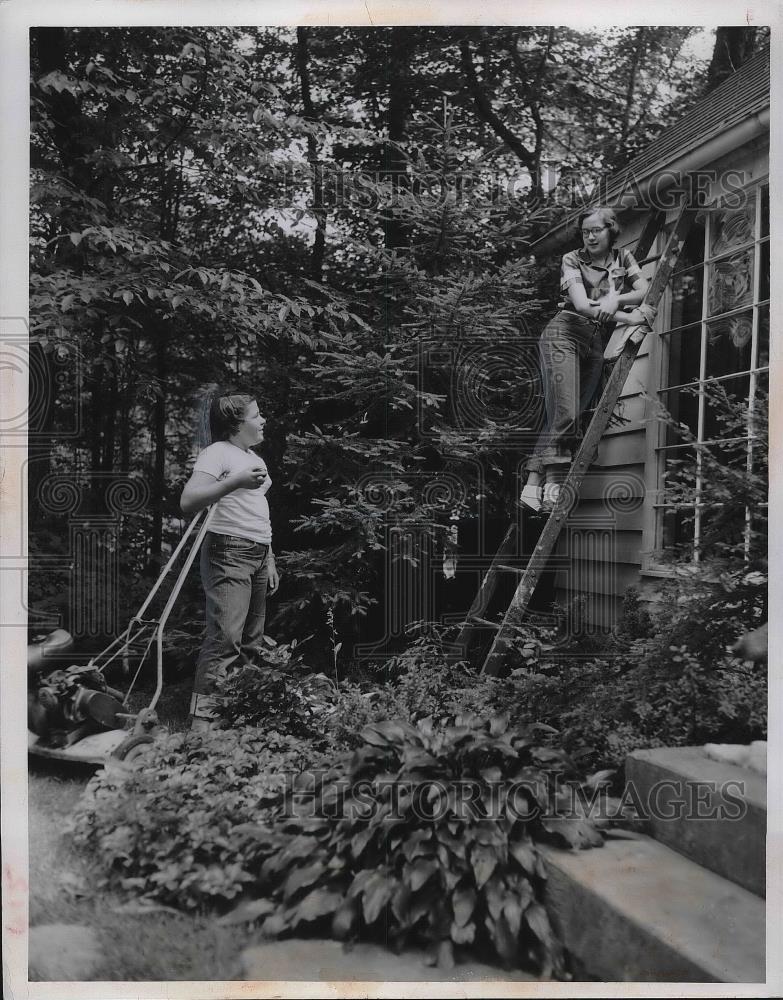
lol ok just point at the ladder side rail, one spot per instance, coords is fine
(486, 590)
(569, 492)
(653, 225)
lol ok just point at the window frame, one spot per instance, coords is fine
(654, 560)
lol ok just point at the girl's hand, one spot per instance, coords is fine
(274, 577)
(608, 306)
(250, 479)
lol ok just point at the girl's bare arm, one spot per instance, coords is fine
(201, 489)
(580, 301)
(610, 304)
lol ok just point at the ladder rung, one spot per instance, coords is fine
(483, 621)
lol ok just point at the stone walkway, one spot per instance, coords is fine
(331, 961)
(63, 952)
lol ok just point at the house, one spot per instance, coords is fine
(713, 324)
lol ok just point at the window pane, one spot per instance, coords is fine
(683, 405)
(684, 348)
(717, 422)
(677, 528)
(765, 210)
(730, 282)
(679, 474)
(732, 454)
(760, 429)
(721, 525)
(763, 355)
(760, 462)
(733, 227)
(693, 248)
(729, 344)
(764, 276)
(687, 290)
(677, 490)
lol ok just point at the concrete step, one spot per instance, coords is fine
(712, 812)
(636, 911)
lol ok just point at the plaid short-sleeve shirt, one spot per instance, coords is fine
(598, 278)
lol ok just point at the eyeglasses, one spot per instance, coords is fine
(595, 231)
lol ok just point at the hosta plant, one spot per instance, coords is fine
(426, 835)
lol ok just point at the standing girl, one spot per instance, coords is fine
(602, 285)
(237, 563)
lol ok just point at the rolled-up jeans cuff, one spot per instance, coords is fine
(552, 456)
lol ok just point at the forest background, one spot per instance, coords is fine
(336, 220)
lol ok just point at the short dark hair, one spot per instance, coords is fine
(226, 413)
(607, 215)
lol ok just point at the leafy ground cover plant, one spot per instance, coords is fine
(663, 679)
(277, 691)
(166, 828)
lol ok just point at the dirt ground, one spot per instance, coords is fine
(159, 945)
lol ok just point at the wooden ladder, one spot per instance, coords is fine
(570, 489)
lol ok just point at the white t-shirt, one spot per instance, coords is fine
(242, 512)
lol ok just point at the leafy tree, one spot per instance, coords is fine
(311, 214)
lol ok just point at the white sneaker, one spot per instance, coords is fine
(203, 712)
(531, 497)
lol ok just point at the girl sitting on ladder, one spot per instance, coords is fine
(602, 285)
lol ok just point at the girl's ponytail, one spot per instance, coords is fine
(203, 428)
(219, 414)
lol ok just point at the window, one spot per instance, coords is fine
(717, 336)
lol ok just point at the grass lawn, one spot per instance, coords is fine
(156, 946)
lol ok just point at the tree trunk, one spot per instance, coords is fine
(487, 113)
(319, 211)
(159, 462)
(733, 47)
(401, 46)
(110, 426)
(630, 90)
(532, 86)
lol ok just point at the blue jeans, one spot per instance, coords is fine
(571, 352)
(235, 575)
